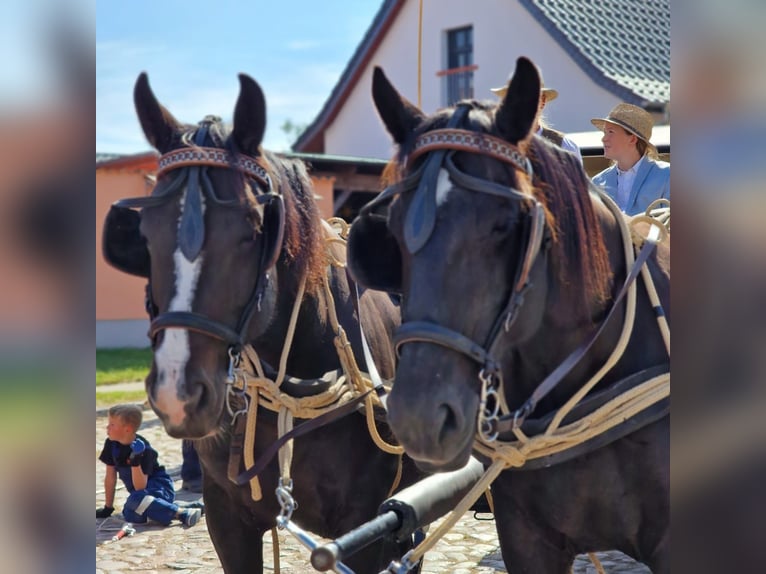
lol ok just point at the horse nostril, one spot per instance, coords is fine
(451, 421)
(202, 395)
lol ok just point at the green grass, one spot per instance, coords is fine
(122, 365)
(109, 398)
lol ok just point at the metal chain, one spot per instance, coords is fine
(233, 374)
(287, 503)
(489, 406)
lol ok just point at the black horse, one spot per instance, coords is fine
(225, 239)
(494, 236)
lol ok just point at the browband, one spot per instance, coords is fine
(215, 157)
(465, 140)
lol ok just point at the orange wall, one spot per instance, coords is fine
(323, 192)
(119, 295)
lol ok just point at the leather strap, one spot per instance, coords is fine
(298, 431)
(511, 421)
(590, 403)
(194, 322)
(644, 418)
(466, 140)
(372, 370)
(427, 332)
(421, 215)
(236, 446)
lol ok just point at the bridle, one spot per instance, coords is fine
(441, 145)
(192, 164)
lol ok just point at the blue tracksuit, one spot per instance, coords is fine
(156, 500)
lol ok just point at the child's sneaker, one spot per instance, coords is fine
(195, 504)
(190, 516)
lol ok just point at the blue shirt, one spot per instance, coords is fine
(117, 454)
(652, 181)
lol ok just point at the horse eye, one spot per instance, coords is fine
(503, 227)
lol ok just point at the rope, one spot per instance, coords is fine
(611, 414)
(372, 428)
(290, 332)
(627, 327)
(596, 563)
(266, 392)
(249, 447)
(557, 438)
(397, 478)
(284, 426)
(487, 478)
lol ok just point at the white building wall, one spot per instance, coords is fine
(123, 333)
(502, 31)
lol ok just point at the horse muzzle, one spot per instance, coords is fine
(434, 423)
(189, 406)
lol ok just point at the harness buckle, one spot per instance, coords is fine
(521, 414)
(517, 301)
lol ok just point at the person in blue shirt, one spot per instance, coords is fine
(547, 95)
(130, 457)
(637, 177)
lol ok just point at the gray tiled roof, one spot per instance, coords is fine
(623, 45)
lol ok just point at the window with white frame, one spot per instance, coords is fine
(458, 76)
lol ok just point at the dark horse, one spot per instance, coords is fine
(494, 236)
(225, 239)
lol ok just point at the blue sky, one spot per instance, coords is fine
(193, 51)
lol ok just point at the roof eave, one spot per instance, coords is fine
(311, 140)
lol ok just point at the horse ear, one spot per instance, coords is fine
(516, 114)
(249, 116)
(158, 124)
(399, 114)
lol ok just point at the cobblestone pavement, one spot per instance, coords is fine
(470, 548)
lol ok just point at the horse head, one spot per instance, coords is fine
(466, 244)
(208, 239)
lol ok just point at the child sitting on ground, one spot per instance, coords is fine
(129, 456)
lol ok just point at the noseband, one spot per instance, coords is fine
(442, 144)
(192, 163)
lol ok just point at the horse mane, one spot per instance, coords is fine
(579, 250)
(561, 186)
(303, 246)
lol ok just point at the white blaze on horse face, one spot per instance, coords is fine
(443, 187)
(174, 352)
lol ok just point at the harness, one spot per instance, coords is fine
(418, 225)
(580, 425)
(191, 165)
(248, 385)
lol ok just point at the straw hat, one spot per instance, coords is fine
(548, 93)
(635, 120)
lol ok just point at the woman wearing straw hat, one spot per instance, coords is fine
(636, 178)
(546, 95)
